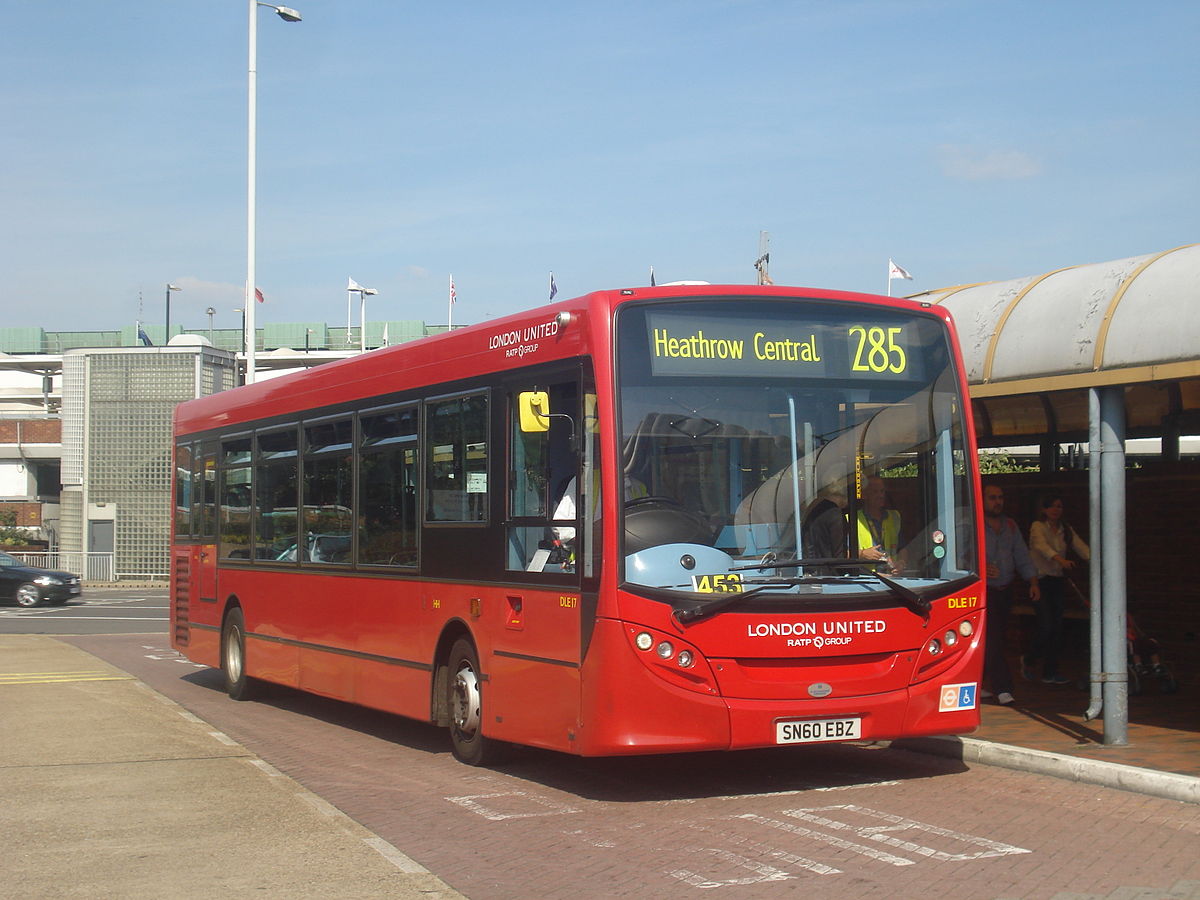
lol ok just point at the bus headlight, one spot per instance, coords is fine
(672, 659)
(951, 638)
(935, 647)
(965, 628)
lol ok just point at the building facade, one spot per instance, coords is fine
(117, 406)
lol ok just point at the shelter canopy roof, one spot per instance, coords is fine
(1033, 346)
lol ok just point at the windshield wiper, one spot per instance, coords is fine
(835, 562)
(703, 610)
(908, 596)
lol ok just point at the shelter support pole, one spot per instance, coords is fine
(1170, 440)
(1048, 456)
(1112, 540)
(1095, 581)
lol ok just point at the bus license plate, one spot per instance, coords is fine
(812, 731)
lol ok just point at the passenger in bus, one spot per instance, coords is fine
(878, 526)
(823, 528)
(567, 505)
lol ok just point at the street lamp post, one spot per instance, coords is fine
(167, 335)
(352, 287)
(288, 15)
(243, 312)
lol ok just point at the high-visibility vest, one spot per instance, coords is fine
(869, 536)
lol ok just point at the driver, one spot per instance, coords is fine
(566, 508)
(878, 526)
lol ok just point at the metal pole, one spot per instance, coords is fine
(1112, 485)
(1095, 582)
(251, 151)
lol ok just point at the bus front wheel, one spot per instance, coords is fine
(464, 699)
(238, 685)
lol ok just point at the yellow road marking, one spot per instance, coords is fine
(59, 677)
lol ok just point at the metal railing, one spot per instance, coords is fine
(89, 566)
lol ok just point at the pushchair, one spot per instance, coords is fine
(1142, 653)
(1145, 662)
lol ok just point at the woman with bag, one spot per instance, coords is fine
(1050, 539)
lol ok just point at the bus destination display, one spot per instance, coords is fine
(691, 344)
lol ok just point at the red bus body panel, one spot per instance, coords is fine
(552, 678)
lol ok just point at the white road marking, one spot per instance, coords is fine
(322, 806)
(405, 864)
(549, 807)
(895, 823)
(762, 872)
(170, 656)
(871, 852)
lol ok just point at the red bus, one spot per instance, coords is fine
(650, 520)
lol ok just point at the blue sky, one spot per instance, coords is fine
(401, 142)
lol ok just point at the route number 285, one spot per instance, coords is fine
(878, 350)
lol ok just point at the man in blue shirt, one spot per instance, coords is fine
(1007, 556)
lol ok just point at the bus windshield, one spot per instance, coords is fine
(791, 447)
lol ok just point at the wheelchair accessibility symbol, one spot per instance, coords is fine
(957, 696)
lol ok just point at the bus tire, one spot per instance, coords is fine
(238, 685)
(465, 702)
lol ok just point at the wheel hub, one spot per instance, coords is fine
(465, 700)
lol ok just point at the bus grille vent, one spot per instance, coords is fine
(182, 598)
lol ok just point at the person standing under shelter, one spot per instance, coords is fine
(1050, 540)
(1007, 556)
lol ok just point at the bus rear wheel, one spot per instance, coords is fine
(238, 685)
(464, 700)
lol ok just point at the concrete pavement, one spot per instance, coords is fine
(111, 790)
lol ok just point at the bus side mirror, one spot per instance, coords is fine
(535, 411)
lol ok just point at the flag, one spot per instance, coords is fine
(144, 338)
(258, 295)
(894, 271)
(453, 293)
(652, 284)
(553, 286)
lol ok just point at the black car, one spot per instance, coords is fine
(29, 585)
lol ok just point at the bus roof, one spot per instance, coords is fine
(559, 330)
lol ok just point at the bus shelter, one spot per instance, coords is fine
(1091, 354)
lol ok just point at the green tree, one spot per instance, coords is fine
(10, 534)
(997, 462)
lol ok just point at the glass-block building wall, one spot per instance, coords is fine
(120, 432)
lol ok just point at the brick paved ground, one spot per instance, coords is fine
(1163, 732)
(828, 821)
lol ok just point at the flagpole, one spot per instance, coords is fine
(450, 305)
